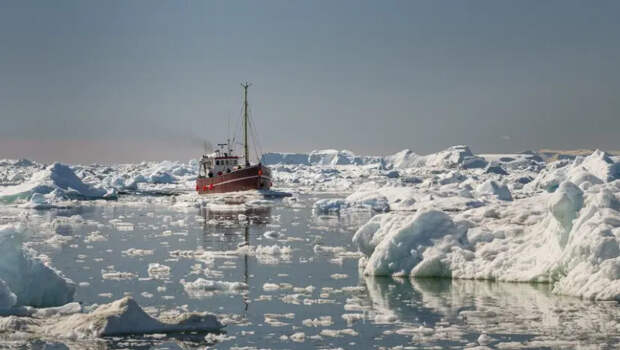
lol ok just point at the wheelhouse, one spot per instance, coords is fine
(217, 164)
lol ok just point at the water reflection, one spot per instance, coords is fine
(347, 220)
(452, 308)
(259, 215)
(256, 217)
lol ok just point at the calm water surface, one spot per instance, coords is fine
(339, 309)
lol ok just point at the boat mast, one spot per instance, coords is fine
(245, 123)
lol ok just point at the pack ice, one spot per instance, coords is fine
(509, 217)
(563, 227)
(36, 300)
(53, 183)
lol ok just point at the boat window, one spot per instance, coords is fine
(217, 162)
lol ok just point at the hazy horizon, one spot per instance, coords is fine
(118, 81)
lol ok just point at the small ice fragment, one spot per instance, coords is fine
(269, 287)
(298, 337)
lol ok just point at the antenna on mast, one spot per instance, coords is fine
(246, 152)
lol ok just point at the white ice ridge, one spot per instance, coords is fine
(570, 238)
(33, 185)
(56, 182)
(25, 279)
(121, 317)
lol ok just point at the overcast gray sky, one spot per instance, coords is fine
(86, 81)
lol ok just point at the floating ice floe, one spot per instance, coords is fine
(575, 245)
(156, 270)
(117, 275)
(121, 317)
(201, 288)
(137, 252)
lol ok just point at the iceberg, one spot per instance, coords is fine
(426, 237)
(569, 238)
(285, 158)
(455, 157)
(57, 180)
(403, 159)
(326, 157)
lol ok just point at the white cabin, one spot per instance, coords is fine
(217, 164)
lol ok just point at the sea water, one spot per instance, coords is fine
(303, 290)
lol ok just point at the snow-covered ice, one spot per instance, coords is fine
(121, 317)
(569, 237)
(201, 288)
(56, 182)
(451, 214)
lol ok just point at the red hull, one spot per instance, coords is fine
(256, 177)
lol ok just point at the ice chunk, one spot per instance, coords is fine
(570, 238)
(56, 178)
(157, 270)
(453, 157)
(298, 337)
(335, 157)
(368, 199)
(372, 233)
(138, 252)
(491, 187)
(596, 168)
(201, 287)
(565, 204)
(402, 250)
(270, 287)
(601, 165)
(272, 234)
(124, 317)
(403, 159)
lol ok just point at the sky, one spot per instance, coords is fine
(120, 81)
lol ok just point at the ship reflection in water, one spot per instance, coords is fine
(229, 222)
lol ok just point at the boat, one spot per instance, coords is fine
(222, 171)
